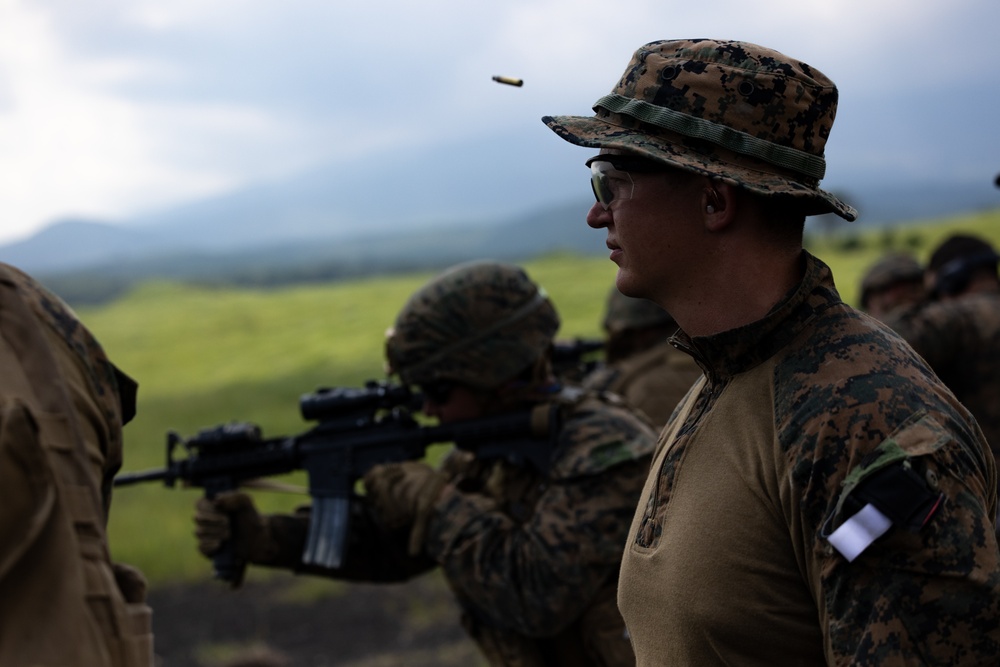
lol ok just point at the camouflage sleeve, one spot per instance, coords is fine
(927, 592)
(600, 379)
(538, 576)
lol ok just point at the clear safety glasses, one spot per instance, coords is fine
(610, 178)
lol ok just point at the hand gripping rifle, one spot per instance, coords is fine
(356, 429)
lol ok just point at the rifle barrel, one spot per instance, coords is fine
(125, 479)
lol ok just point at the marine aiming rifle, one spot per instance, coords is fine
(356, 429)
(573, 359)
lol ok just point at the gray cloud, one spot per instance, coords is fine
(214, 96)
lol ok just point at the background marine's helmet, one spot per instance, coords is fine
(480, 324)
(891, 269)
(624, 313)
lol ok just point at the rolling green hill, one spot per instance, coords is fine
(206, 356)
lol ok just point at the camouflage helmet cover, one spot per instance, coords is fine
(889, 270)
(625, 312)
(479, 323)
(742, 113)
(962, 247)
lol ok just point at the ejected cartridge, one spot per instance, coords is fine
(510, 81)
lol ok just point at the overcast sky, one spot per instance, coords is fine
(113, 108)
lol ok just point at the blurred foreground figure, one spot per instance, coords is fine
(819, 497)
(532, 557)
(62, 407)
(894, 282)
(640, 363)
(959, 332)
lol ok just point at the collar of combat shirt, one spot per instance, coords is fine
(735, 351)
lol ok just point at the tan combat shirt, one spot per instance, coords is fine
(60, 444)
(800, 419)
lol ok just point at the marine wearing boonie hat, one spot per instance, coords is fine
(742, 113)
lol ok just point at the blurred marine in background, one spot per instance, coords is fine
(532, 557)
(894, 282)
(958, 333)
(62, 407)
(640, 363)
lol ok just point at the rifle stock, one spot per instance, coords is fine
(356, 430)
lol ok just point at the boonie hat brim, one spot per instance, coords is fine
(593, 132)
(735, 111)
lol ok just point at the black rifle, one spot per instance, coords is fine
(574, 359)
(357, 428)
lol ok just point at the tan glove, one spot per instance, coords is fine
(403, 495)
(232, 517)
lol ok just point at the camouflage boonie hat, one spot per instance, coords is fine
(626, 312)
(891, 269)
(747, 115)
(479, 323)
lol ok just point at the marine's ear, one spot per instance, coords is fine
(718, 201)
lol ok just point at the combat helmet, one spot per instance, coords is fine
(625, 312)
(897, 267)
(957, 259)
(480, 324)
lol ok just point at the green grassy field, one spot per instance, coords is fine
(207, 356)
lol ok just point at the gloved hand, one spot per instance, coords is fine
(231, 517)
(403, 495)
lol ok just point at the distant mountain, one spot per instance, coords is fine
(467, 183)
(553, 229)
(882, 203)
(417, 211)
(254, 224)
(504, 193)
(73, 244)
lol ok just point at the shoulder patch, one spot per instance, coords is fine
(884, 490)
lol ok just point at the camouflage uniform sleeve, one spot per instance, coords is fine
(920, 594)
(600, 379)
(537, 573)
